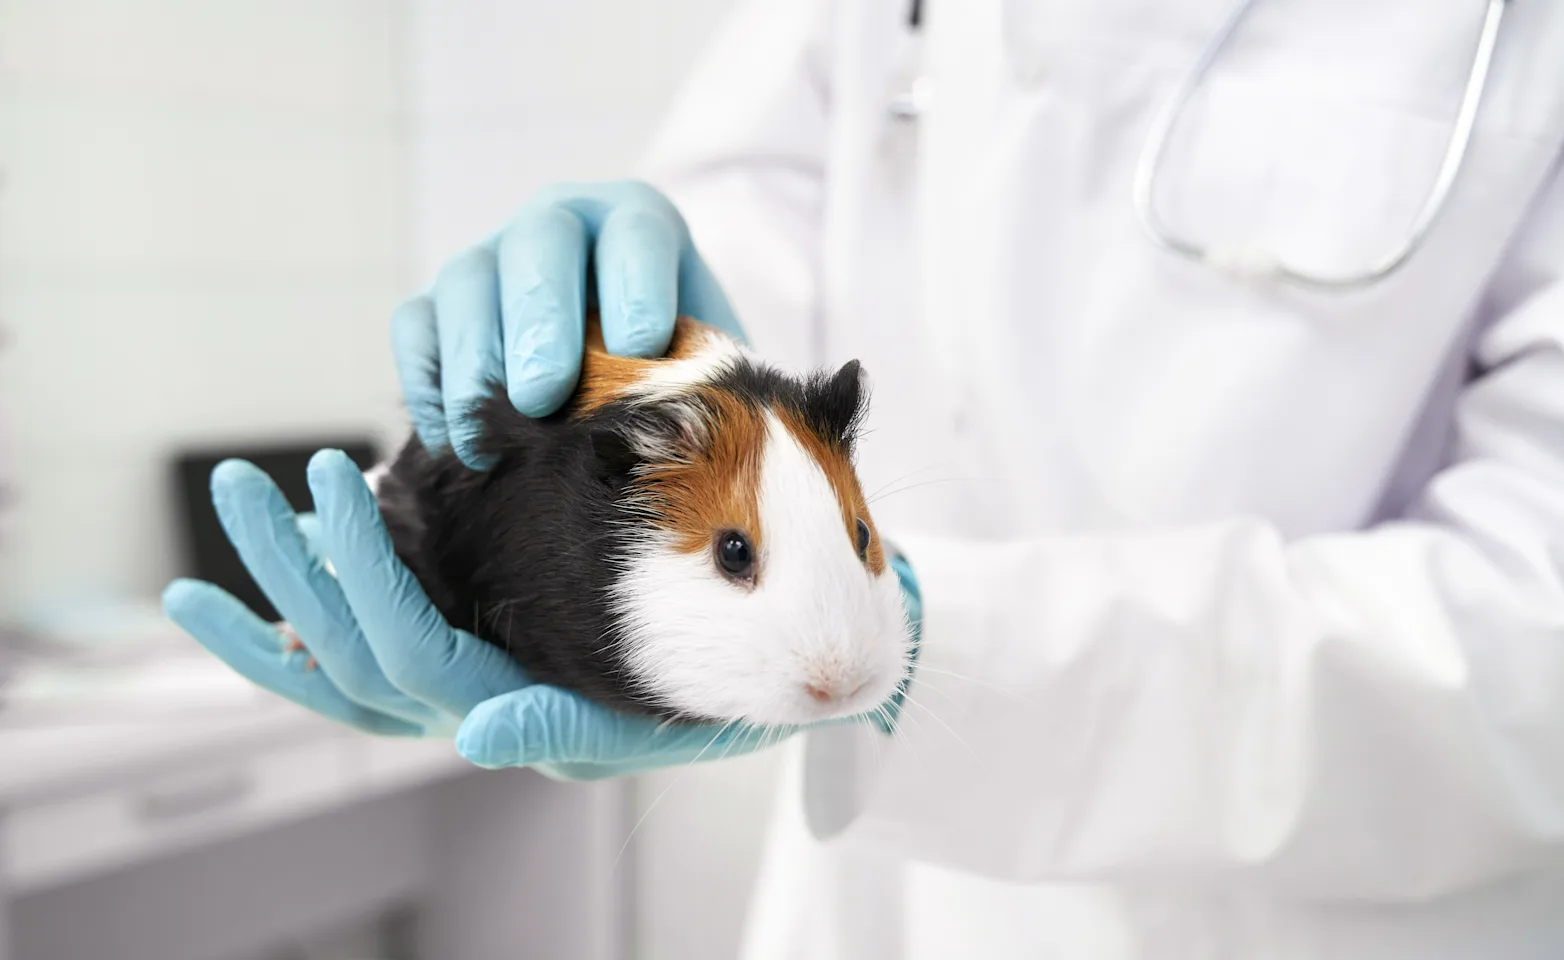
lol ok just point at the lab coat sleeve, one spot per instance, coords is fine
(1375, 714)
(742, 154)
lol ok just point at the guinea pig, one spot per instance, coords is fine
(687, 538)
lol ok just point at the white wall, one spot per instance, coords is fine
(508, 95)
(201, 235)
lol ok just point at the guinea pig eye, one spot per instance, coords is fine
(734, 555)
(863, 540)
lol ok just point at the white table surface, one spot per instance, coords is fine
(38, 761)
(135, 780)
(177, 764)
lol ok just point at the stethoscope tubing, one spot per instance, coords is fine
(908, 104)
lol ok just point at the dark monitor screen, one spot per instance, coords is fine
(205, 552)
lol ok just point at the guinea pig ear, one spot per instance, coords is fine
(666, 432)
(839, 402)
(614, 451)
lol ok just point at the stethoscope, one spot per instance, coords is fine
(915, 94)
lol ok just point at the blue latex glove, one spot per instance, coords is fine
(512, 310)
(388, 663)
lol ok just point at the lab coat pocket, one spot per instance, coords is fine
(1330, 186)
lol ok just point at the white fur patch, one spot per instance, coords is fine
(816, 615)
(670, 379)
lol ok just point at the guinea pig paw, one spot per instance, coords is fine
(291, 644)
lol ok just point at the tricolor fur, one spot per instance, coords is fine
(602, 548)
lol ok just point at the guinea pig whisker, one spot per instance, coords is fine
(491, 617)
(883, 714)
(924, 684)
(680, 776)
(886, 724)
(951, 730)
(905, 476)
(906, 738)
(764, 736)
(925, 668)
(745, 728)
(898, 734)
(607, 644)
(928, 483)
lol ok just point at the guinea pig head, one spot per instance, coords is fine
(751, 583)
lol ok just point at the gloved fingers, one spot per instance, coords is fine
(691, 743)
(309, 529)
(542, 259)
(550, 727)
(697, 292)
(264, 530)
(467, 322)
(594, 201)
(702, 297)
(511, 310)
(415, 343)
(636, 260)
(417, 650)
(253, 648)
(541, 725)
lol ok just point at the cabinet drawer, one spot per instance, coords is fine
(51, 841)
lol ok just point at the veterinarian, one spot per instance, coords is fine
(1218, 357)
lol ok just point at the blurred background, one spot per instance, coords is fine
(208, 209)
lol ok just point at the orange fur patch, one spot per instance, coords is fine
(605, 377)
(715, 490)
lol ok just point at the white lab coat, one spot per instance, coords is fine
(1243, 604)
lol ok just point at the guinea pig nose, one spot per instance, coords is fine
(830, 691)
(819, 693)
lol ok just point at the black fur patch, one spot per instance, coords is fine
(831, 405)
(524, 554)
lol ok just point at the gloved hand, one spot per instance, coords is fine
(512, 310)
(385, 661)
